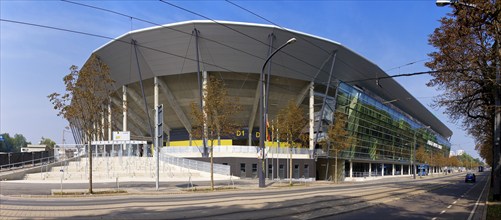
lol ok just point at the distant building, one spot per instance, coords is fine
(34, 148)
(452, 154)
(460, 152)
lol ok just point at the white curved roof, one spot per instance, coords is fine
(243, 47)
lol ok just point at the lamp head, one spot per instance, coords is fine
(442, 3)
(291, 41)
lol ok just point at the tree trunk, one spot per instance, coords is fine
(328, 160)
(90, 164)
(335, 170)
(212, 165)
(290, 165)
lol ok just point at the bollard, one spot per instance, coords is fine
(62, 176)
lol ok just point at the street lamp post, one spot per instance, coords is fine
(414, 154)
(262, 111)
(496, 148)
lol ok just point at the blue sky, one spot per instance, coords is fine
(34, 60)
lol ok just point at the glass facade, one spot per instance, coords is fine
(381, 132)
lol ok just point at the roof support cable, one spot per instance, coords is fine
(205, 152)
(73, 133)
(322, 66)
(271, 38)
(324, 100)
(134, 42)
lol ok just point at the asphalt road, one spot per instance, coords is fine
(456, 201)
(403, 199)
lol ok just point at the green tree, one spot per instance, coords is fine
(466, 59)
(48, 143)
(216, 118)
(18, 142)
(13, 144)
(86, 100)
(338, 138)
(291, 122)
(6, 145)
(421, 155)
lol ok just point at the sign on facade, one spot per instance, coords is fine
(433, 144)
(121, 135)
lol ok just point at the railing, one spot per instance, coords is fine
(366, 174)
(235, 149)
(28, 163)
(184, 149)
(193, 164)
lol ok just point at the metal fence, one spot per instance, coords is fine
(193, 164)
(20, 160)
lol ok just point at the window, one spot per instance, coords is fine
(306, 171)
(281, 171)
(270, 171)
(254, 169)
(296, 171)
(242, 170)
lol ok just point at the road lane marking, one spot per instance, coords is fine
(454, 202)
(449, 206)
(442, 212)
(434, 218)
(480, 196)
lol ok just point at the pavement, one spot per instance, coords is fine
(173, 185)
(21, 189)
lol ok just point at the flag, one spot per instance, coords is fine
(267, 127)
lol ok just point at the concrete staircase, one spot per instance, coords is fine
(111, 169)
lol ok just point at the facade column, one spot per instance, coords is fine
(393, 169)
(204, 88)
(109, 123)
(101, 130)
(382, 169)
(155, 104)
(370, 169)
(351, 169)
(410, 170)
(312, 118)
(401, 169)
(124, 98)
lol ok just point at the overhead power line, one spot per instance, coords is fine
(109, 38)
(407, 64)
(281, 27)
(244, 34)
(407, 74)
(122, 41)
(189, 33)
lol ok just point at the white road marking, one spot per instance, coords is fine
(449, 206)
(454, 202)
(442, 212)
(476, 204)
(434, 218)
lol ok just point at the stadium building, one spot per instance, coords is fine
(169, 64)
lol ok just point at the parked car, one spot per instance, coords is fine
(470, 177)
